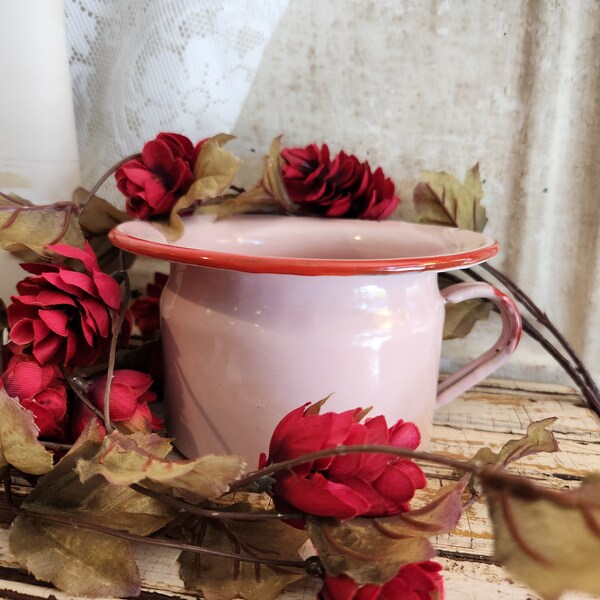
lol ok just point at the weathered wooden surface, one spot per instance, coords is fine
(486, 416)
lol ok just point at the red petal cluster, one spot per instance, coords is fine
(129, 396)
(344, 486)
(338, 187)
(146, 310)
(153, 183)
(40, 389)
(64, 316)
(416, 581)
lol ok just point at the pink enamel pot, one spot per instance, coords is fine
(262, 314)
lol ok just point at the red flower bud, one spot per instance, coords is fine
(153, 183)
(40, 389)
(129, 397)
(415, 581)
(344, 486)
(145, 309)
(342, 187)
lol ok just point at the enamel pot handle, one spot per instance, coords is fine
(489, 361)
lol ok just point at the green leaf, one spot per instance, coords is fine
(26, 229)
(440, 199)
(223, 579)
(79, 562)
(373, 550)
(548, 539)
(19, 445)
(123, 460)
(95, 501)
(460, 318)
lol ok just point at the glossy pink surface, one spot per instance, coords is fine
(243, 347)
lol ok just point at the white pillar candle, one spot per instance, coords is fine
(38, 144)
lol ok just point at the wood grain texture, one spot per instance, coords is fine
(489, 415)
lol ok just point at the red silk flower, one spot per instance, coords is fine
(344, 486)
(64, 316)
(153, 183)
(129, 396)
(145, 309)
(40, 389)
(415, 581)
(338, 187)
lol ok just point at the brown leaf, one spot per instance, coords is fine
(19, 445)
(224, 579)
(362, 551)
(26, 229)
(272, 179)
(61, 492)
(96, 220)
(461, 318)
(98, 216)
(214, 172)
(79, 562)
(372, 550)
(256, 200)
(440, 199)
(123, 460)
(537, 439)
(548, 539)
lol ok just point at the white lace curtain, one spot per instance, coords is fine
(143, 66)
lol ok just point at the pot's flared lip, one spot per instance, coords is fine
(308, 245)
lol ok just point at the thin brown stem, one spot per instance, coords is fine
(77, 386)
(210, 513)
(543, 318)
(358, 449)
(112, 356)
(164, 543)
(55, 445)
(104, 177)
(578, 373)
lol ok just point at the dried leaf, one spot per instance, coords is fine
(461, 318)
(26, 229)
(98, 216)
(79, 562)
(123, 460)
(537, 439)
(96, 220)
(256, 200)
(440, 199)
(223, 579)
(19, 445)
(548, 539)
(61, 492)
(214, 172)
(372, 550)
(272, 179)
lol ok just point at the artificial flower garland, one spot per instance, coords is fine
(342, 480)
